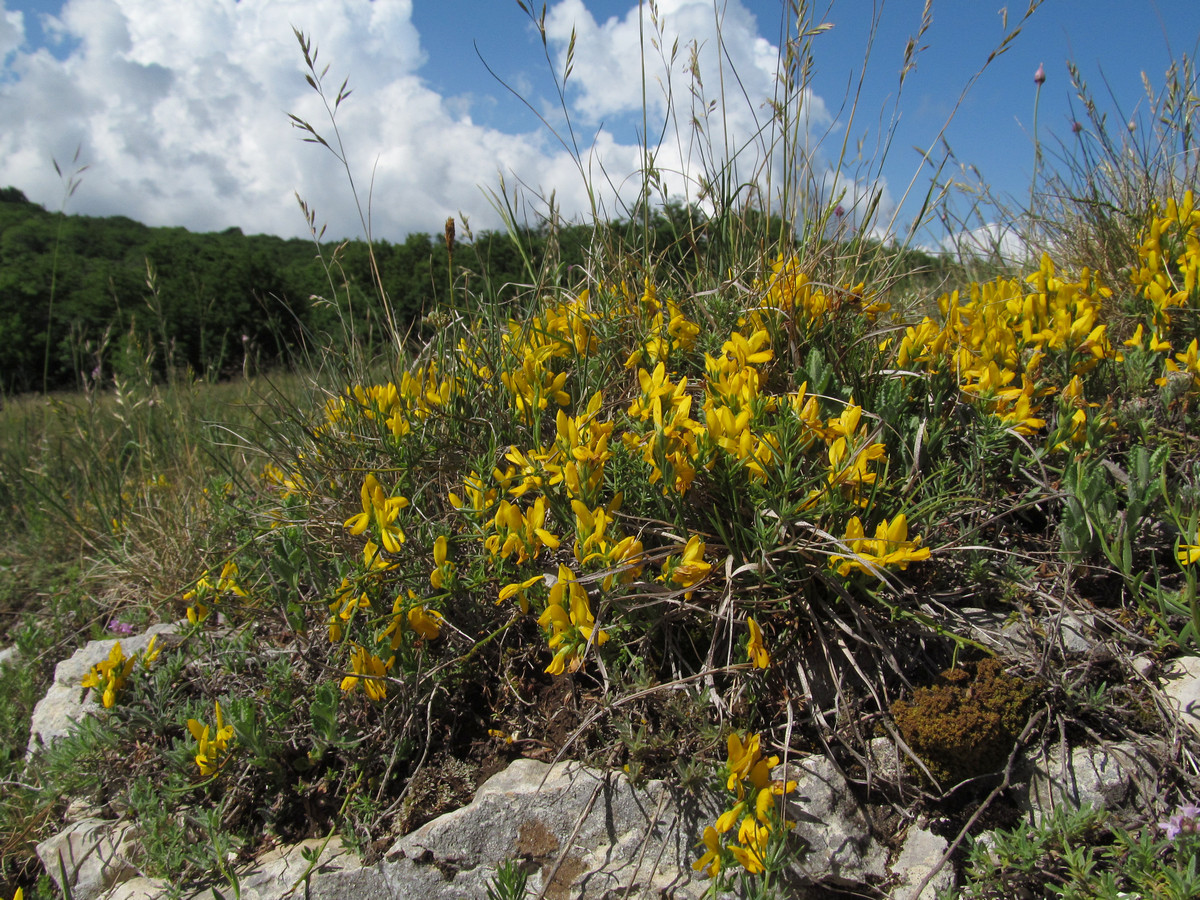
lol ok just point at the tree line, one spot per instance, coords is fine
(82, 294)
(84, 297)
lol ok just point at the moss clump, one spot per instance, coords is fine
(966, 723)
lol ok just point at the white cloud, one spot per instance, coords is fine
(180, 109)
(712, 79)
(991, 241)
(12, 32)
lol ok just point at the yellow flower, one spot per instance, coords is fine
(151, 652)
(751, 849)
(209, 750)
(729, 818)
(370, 670)
(425, 622)
(110, 675)
(890, 546)
(443, 571)
(710, 862)
(689, 567)
(755, 649)
(343, 608)
(361, 521)
(227, 583)
(518, 589)
(381, 509)
(1188, 554)
(570, 632)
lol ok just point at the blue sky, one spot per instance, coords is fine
(179, 106)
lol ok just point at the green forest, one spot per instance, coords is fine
(83, 297)
(79, 294)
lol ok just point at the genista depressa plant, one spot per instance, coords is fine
(689, 520)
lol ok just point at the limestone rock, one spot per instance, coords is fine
(1099, 776)
(840, 849)
(884, 759)
(577, 831)
(10, 656)
(279, 874)
(138, 889)
(338, 874)
(64, 703)
(1182, 689)
(94, 854)
(922, 851)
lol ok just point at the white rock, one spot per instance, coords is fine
(579, 832)
(338, 875)
(10, 656)
(922, 851)
(65, 703)
(94, 854)
(833, 827)
(1182, 690)
(1098, 776)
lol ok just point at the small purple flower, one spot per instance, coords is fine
(1039, 77)
(1183, 822)
(1076, 128)
(116, 626)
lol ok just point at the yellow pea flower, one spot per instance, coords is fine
(751, 849)
(425, 622)
(109, 676)
(151, 652)
(710, 862)
(518, 589)
(730, 817)
(210, 750)
(689, 568)
(755, 649)
(370, 670)
(443, 572)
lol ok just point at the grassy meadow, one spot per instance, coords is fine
(741, 489)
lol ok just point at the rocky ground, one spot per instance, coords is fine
(578, 831)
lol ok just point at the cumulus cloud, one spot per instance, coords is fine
(12, 32)
(181, 112)
(713, 82)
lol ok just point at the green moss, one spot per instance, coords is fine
(965, 724)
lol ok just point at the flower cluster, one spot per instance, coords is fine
(568, 616)
(205, 594)
(664, 328)
(670, 444)
(754, 812)
(891, 546)
(109, 675)
(790, 290)
(398, 407)
(212, 752)
(366, 636)
(1009, 345)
